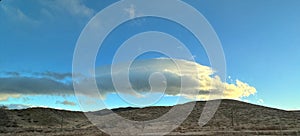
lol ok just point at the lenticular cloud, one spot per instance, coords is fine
(169, 76)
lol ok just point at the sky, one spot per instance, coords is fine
(260, 40)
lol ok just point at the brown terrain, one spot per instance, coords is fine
(232, 118)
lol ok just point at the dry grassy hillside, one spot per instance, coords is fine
(232, 118)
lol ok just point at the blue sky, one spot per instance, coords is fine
(260, 41)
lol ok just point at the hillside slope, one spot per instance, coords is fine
(232, 118)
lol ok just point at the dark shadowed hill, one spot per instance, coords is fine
(232, 118)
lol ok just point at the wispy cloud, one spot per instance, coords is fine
(73, 7)
(15, 74)
(131, 11)
(67, 103)
(16, 14)
(54, 75)
(45, 10)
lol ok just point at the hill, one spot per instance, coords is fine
(232, 118)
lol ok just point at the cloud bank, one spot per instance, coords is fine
(197, 81)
